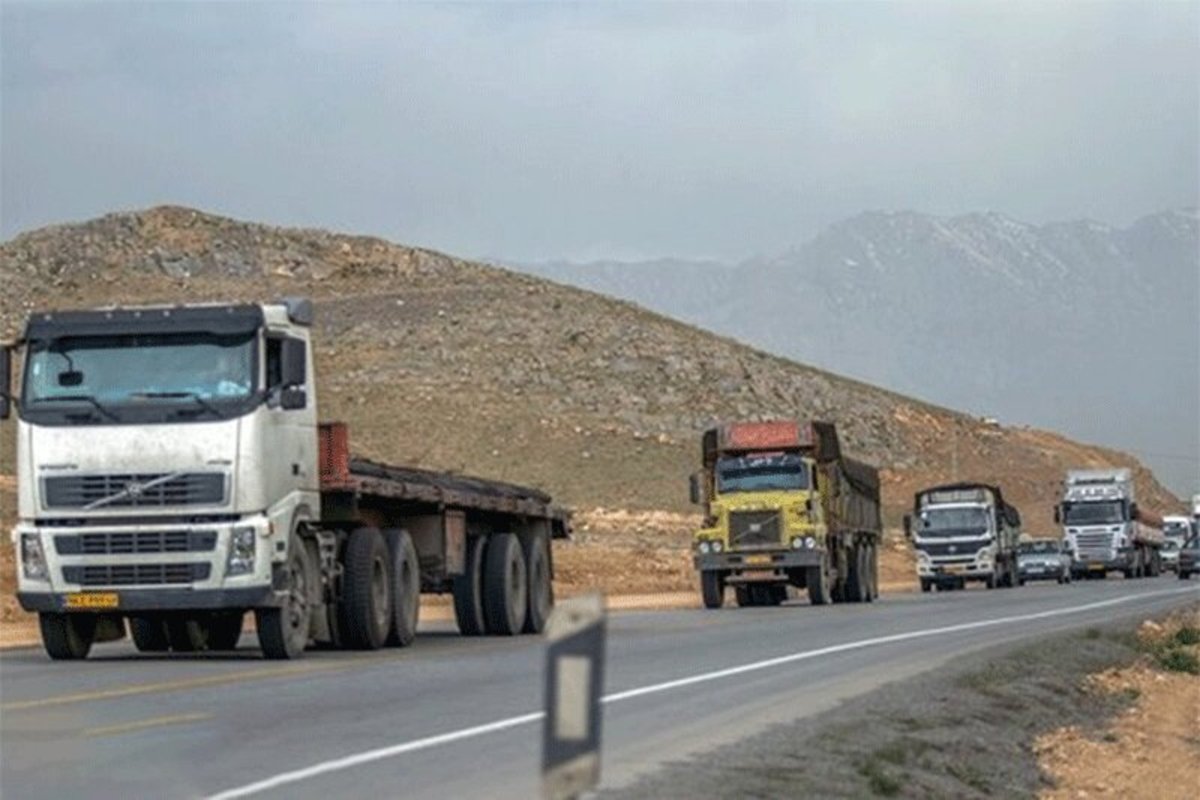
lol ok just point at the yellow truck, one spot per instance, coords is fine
(783, 507)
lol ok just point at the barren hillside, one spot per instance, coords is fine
(451, 364)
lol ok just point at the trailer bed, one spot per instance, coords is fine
(342, 473)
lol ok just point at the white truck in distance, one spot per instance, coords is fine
(1196, 514)
(171, 473)
(1105, 528)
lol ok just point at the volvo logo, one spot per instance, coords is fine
(953, 549)
(134, 489)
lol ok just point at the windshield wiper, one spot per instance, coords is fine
(80, 398)
(180, 395)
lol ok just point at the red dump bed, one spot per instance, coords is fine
(342, 473)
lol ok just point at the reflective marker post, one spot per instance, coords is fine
(574, 682)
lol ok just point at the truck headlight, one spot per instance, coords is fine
(717, 546)
(704, 546)
(241, 551)
(33, 559)
(809, 543)
(797, 542)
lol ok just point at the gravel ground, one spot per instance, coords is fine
(963, 731)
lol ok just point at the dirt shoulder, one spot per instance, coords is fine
(1004, 722)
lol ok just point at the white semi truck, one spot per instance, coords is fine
(1104, 526)
(1196, 514)
(964, 532)
(172, 475)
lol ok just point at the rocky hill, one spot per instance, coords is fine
(1078, 326)
(450, 364)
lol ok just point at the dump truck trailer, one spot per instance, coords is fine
(964, 532)
(784, 507)
(1105, 528)
(172, 476)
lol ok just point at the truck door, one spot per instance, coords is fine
(291, 414)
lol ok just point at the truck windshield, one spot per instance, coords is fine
(1176, 529)
(1107, 512)
(761, 473)
(188, 368)
(954, 522)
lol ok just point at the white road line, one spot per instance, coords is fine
(326, 767)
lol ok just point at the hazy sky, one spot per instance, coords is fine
(536, 131)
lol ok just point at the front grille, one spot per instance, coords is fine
(133, 542)
(755, 528)
(1094, 545)
(935, 549)
(136, 574)
(135, 491)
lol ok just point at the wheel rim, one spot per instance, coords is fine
(379, 592)
(297, 596)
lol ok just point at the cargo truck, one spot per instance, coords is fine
(1196, 515)
(782, 507)
(1104, 526)
(964, 532)
(172, 475)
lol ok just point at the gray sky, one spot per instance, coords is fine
(538, 131)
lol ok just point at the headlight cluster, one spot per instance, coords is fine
(242, 546)
(803, 543)
(706, 546)
(33, 559)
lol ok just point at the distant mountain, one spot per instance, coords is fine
(1079, 326)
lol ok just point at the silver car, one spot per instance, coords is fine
(1169, 555)
(1043, 560)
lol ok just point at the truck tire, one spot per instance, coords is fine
(223, 630)
(468, 592)
(856, 582)
(366, 602)
(712, 588)
(406, 587)
(505, 586)
(186, 635)
(1184, 574)
(65, 636)
(541, 585)
(283, 630)
(873, 573)
(819, 582)
(149, 634)
(926, 585)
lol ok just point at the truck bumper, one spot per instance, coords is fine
(948, 574)
(761, 560)
(133, 600)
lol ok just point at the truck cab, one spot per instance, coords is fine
(163, 454)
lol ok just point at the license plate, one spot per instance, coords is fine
(955, 570)
(759, 559)
(1037, 569)
(93, 600)
(1096, 567)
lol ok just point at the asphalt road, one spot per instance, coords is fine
(454, 717)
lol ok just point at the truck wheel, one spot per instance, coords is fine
(820, 582)
(541, 586)
(857, 590)
(872, 573)
(186, 635)
(468, 592)
(504, 586)
(712, 588)
(67, 637)
(926, 586)
(406, 587)
(149, 634)
(366, 607)
(224, 629)
(283, 631)
(1184, 575)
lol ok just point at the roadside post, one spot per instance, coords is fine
(574, 683)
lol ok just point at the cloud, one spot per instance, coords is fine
(562, 130)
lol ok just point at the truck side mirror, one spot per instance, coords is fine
(1057, 516)
(694, 489)
(1133, 510)
(908, 526)
(291, 399)
(294, 363)
(5, 381)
